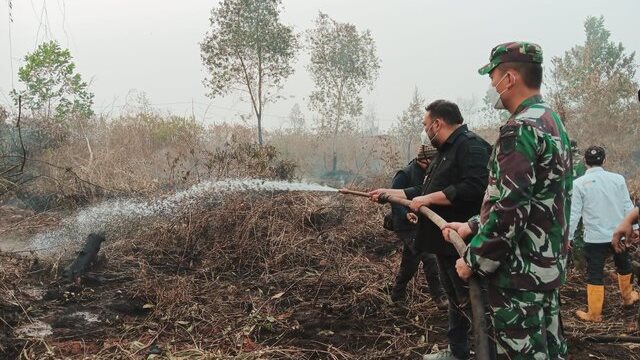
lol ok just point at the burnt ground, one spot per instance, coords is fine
(283, 276)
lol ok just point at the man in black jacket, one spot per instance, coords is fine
(454, 186)
(404, 226)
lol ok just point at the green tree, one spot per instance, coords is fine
(595, 79)
(248, 48)
(53, 88)
(343, 63)
(593, 87)
(409, 124)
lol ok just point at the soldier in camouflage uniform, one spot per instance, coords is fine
(576, 253)
(521, 236)
(579, 168)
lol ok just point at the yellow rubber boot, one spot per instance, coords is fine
(595, 298)
(629, 296)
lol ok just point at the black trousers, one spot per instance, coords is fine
(460, 314)
(459, 307)
(597, 254)
(410, 263)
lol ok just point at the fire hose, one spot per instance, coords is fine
(480, 332)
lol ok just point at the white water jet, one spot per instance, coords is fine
(114, 217)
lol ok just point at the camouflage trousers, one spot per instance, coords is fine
(527, 324)
(576, 256)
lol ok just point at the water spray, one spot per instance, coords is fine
(481, 336)
(114, 217)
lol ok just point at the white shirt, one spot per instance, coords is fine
(602, 199)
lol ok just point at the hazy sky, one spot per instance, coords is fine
(153, 46)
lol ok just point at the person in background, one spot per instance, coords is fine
(404, 226)
(578, 161)
(575, 258)
(601, 199)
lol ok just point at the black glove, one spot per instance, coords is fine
(388, 222)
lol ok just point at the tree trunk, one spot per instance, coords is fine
(334, 161)
(409, 151)
(260, 98)
(259, 129)
(334, 153)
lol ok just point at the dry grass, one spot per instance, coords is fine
(288, 276)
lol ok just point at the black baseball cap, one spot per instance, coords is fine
(594, 154)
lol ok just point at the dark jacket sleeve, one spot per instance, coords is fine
(399, 212)
(413, 191)
(474, 176)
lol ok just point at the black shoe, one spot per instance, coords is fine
(398, 296)
(442, 303)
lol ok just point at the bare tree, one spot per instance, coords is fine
(297, 119)
(343, 64)
(370, 125)
(409, 124)
(249, 48)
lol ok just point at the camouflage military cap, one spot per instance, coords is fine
(516, 51)
(426, 153)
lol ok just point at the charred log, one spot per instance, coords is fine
(86, 257)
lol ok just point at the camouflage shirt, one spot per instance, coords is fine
(523, 225)
(579, 167)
